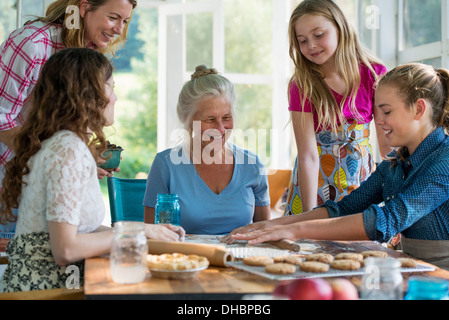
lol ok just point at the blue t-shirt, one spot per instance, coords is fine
(415, 194)
(202, 210)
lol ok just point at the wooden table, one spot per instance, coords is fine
(215, 282)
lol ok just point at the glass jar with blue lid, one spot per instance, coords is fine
(426, 288)
(168, 209)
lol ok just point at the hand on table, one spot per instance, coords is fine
(229, 238)
(273, 233)
(165, 232)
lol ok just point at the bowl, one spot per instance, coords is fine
(112, 156)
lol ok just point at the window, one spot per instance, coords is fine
(8, 18)
(235, 37)
(422, 34)
(247, 41)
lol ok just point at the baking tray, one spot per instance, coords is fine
(302, 274)
(243, 252)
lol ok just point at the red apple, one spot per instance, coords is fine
(308, 289)
(343, 289)
(279, 290)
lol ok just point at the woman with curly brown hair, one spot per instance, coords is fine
(52, 179)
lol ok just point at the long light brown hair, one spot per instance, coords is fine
(309, 77)
(69, 95)
(74, 37)
(415, 81)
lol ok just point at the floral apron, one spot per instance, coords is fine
(31, 265)
(346, 160)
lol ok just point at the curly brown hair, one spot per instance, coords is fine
(69, 95)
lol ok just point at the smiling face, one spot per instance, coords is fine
(399, 122)
(317, 37)
(106, 22)
(215, 115)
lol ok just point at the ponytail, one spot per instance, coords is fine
(420, 81)
(443, 74)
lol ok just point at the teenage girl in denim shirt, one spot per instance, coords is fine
(412, 108)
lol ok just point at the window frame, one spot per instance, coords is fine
(437, 49)
(386, 42)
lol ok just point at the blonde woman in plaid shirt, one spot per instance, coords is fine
(98, 24)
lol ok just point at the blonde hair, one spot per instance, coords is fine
(309, 77)
(74, 37)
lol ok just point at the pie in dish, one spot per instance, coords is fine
(176, 262)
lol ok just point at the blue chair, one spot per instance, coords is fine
(125, 199)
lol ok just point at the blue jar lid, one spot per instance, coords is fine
(167, 197)
(430, 287)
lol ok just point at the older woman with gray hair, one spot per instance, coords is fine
(220, 185)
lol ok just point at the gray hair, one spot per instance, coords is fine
(205, 82)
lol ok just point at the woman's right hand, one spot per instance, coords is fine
(228, 239)
(165, 232)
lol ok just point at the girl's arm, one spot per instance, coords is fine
(308, 160)
(341, 228)
(68, 246)
(282, 223)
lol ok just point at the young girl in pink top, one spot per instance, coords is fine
(331, 103)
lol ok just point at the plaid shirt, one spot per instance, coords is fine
(22, 56)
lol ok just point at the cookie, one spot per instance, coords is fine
(314, 266)
(374, 253)
(345, 264)
(280, 268)
(320, 257)
(291, 259)
(349, 256)
(258, 261)
(408, 263)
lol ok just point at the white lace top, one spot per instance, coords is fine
(62, 186)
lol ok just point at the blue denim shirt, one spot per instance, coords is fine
(410, 197)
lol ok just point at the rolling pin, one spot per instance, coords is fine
(217, 255)
(286, 245)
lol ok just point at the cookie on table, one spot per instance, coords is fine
(345, 264)
(260, 261)
(408, 263)
(314, 266)
(320, 257)
(374, 253)
(349, 256)
(291, 259)
(280, 268)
